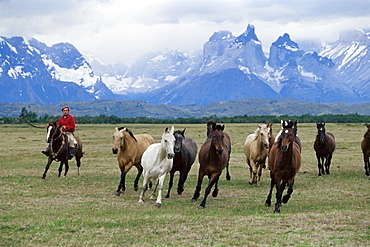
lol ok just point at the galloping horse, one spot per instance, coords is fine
(185, 154)
(59, 148)
(210, 126)
(129, 150)
(256, 148)
(365, 146)
(284, 162)
(157, 161)
(324, 147)
(213, 158)
(293, 125)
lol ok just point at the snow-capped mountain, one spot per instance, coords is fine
(229, 68)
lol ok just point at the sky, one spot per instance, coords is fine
(122, 30)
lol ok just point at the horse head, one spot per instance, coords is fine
(218, 137)
(286, 139)
(262, 133)
(179, 137)
(168, 142)
(367, 134)
(53, 130)
(321, 131)
(210, 126)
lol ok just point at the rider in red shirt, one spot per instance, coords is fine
(68, 124)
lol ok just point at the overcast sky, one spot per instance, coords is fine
(122, 30)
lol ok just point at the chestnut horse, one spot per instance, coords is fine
(213, 158)
(59, 148)
(324, 147)
(284, 162)
(129, 150)
(185, 154)
(365, 145)
(210, 126)
(256, 148)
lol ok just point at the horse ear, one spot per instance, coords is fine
(116, 129)
(223, 127)
(183, 132)
(166, 129)
(173, 129)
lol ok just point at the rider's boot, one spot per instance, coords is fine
(71, 152)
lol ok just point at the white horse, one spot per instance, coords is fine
(157, 161)
(256, 148)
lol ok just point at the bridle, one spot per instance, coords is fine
(52, 139)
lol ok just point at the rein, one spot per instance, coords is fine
(52, 153)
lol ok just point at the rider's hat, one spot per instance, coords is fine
(65, 107)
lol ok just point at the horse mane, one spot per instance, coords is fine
(128, 131)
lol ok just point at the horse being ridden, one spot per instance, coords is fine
(284, 162)
(58, 145)
(185, 154)
(157, 161)
(129, 150)
(256, 148)
(365, 146)
(210, 126)
(213, 158)
(324, 147)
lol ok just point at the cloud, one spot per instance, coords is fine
(120, 31)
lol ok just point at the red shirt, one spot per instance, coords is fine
(69, 122)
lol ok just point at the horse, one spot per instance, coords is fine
(129, 150)
(157, 161)
(210, 126)
(284, 162)
(293, 125)
(58, 142)
(324, 146)
(365, 146)
(185, 153)
(271, 135)
(213, 158)
(256, 148)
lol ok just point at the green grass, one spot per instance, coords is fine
(83, 211)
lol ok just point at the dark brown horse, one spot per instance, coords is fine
(284, 162)
(324, 147)
(210, 126)
(365, 146)
(59, 148)
(185, 154)
(213, 158)
(294, 126)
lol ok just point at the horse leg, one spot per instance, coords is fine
(145, 187)
(206, 193)
(215, 191)
(327, 163)
(289, 192)
(78, 163)
(47, 168)
(66, 168)
(60, 169)
(319, 164)
(155, 189)
(170, 184)
(136, 181)
(121, 184)
(198, 187)
(158, 203)
(253, 172)
(268, 200)
(259, 172)
(228, 177)
(279, 193)
(366, 162)
(183, 177)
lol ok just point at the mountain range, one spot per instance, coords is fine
(229, 68)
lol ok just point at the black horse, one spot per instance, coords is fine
(59, 148)
(185, 154)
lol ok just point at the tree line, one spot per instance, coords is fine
(32, 117)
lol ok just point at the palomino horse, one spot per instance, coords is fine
(213, 158)
(59, 148)
(256, 148)
(227, 140)
(129, 150)
(365, 146)
(284, 162)
(185, 154)
(157, 161)
(324, 147)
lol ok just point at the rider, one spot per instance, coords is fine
(68, 124)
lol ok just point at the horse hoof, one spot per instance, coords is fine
(277, 211)
(267, 204)
(117, 193)
(285, 199)
(158, 205)
(215, 193)
(228, 178)
(201, 207)
(193, 200)
(136, 188)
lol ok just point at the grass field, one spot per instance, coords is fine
(83, 210)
